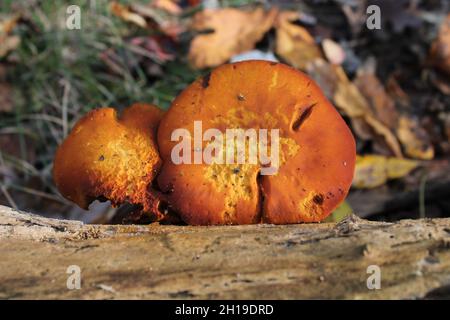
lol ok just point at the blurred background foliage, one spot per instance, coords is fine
(391, 85)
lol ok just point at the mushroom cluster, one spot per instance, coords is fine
(129, 159)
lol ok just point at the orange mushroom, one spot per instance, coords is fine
(303, 168)
(316, 148)
(106, 157)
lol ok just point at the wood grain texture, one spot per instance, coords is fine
(255, 262)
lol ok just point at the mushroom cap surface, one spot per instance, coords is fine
(111, 157)
(316, 148)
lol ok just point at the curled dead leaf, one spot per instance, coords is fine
(125, 13)
(8, 23)
(381, 103)
(440, 49)
(293, 42)
(372, 171)
(389, 138)
(414, 139)
(169, 6)
(325, 75)
(441, 82)
(349, 98)
(395, 91)
(233, 31)
(147, 16)
(8, 42)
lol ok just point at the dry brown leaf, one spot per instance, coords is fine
(168, 24)
(440, 49)
(445, 118)
(396, 92)
(362, 129)
(414, 139)
(293, 42)
(125, 13)
(389, 138)
(147, 16)
(8, 23)
(441, 82)
(382, 104)
(169, 6)
(6, 102)
(8, 42)
(374, 170)
(348, 98)
(234, 31)
(325, 75)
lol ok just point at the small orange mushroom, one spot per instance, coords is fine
(106, 157)
(317, 149)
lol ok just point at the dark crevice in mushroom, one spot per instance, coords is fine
(205, 80)
(154, 186)
(318, 199)
(204, 31)
(130, 213)
(170, 215)
(300, 117)
(261, 198)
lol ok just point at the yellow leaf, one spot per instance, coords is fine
(374, 170)
(397, 168)
(370, 171)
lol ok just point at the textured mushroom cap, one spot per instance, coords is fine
(317, 149)
(109, 157)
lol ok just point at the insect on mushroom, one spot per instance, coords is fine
(314, 171)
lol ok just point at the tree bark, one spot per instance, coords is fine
(245, 262)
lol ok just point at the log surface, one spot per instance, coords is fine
(244, 262)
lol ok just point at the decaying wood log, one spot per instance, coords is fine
(258, 261)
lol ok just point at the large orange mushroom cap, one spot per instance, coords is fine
(317, 149)
(111, 158)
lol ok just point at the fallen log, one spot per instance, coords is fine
(155, 261)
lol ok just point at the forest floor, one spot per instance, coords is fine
(391, 84)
